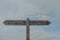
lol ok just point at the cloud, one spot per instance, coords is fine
(16, 9)
(25, 7)
(43, 35)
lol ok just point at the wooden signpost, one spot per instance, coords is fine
(27, 23)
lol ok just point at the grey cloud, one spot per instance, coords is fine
(42, 35)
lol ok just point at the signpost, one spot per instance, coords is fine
(27, 23)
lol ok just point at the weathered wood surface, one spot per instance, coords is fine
(23, 22)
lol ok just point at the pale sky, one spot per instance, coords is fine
(35, 10)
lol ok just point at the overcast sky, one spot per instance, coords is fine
(35, 10)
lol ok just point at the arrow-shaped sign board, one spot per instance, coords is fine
(23, 22)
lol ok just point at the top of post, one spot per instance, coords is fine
(27, 18)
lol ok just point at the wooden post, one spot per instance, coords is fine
(27, 30)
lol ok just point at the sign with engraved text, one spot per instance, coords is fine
(23, 22)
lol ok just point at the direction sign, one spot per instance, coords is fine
(23, 22)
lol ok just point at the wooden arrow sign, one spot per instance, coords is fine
(23, 22)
